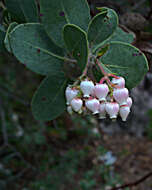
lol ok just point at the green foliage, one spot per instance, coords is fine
(7, 40)
(127, 61)
(49, 101)
(32, 47)
(23, 11)
(102, 26)
(2, 36)
(60, 12)
(68, 38)
(76, 43)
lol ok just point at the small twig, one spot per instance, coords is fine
(133, 183)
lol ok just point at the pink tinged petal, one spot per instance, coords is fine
(102, 109)
(119, 82)
(87, 88)
(76, 104)
(112, 108)
(101, 91)
(70, 94)
(124, 112)
(121, 95)
(93, 105)
(129, 102)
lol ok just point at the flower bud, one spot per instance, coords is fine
(112, 108)
(124, 112)
(120, 82)
(129, 102)
(76, 104)
(102, 110)
(93, 105)
(87, 88)
(70, 93)
(101, 91)
(121, 95)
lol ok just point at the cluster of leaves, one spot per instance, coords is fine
(62, 33)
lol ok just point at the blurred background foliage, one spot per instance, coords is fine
(69, 152)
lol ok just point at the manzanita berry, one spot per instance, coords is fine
(121, 95)
(112, 108)
(87, 88)
(93, 105)
(124, 112)
(70, 93)
(76, 104)
(120, 82)
(101, 91)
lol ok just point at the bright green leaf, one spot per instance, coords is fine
(55, 14)
(49, 101)
(76, 43)
(32, 47)
(23, 10)
(127, 61)
(102, 26)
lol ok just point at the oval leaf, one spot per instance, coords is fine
(102, 26)
(55, 14)
(49, 100)
(127, 61)
(7, 40)
(32, 47)
(23, 11)
(76, 42)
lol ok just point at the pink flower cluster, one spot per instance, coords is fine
(99, 98)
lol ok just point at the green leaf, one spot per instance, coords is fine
(32, 47)
(49, 101)
(102, 26)
(118, 35)
(7, 40)
(127, 61)
(60, 12)
(2, 37)
(23, 10)
(76, 42)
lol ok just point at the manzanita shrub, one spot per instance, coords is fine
(89, 63)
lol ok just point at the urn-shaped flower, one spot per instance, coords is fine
(101, 91)
(93, 105)
(121, 95)
(124, 112)
(112, 108)
(120, 82)
(76, 104)
(70, 93)
(87, 88)
(129, 102)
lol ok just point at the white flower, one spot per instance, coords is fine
(76, 104)
(70, 93)
(112, 108)
(124, 112)
(101, 91)
(87, 88)
(120, 82)
(93, 105)
(121, 95)
(129, 102)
